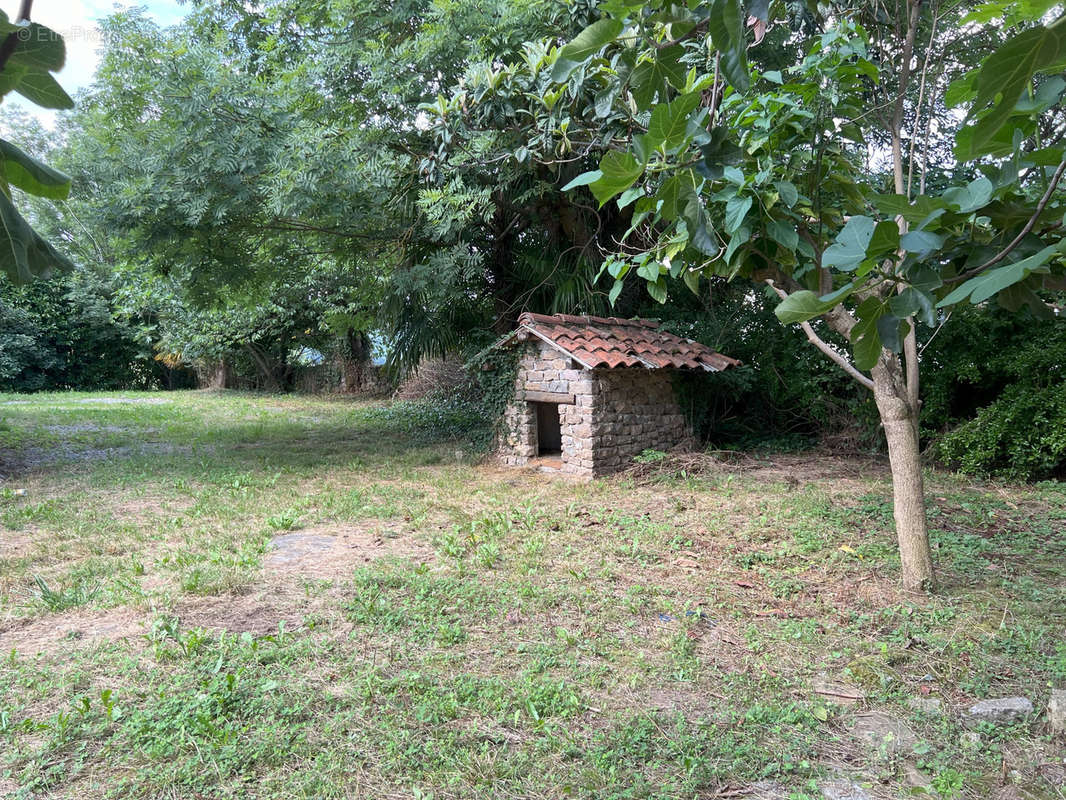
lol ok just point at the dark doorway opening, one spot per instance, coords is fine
(549, 431)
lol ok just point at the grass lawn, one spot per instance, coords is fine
(228, 595)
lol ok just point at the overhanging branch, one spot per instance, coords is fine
(824, 346)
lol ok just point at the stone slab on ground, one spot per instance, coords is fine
(881, 731)
(1000, 710)
(767, 790)
(1056, 711)
(293, 547)
(841, 789)
(333, 551)
(914, 777)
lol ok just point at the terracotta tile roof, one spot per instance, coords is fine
(614, 342)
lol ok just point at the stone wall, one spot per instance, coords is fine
(636, 410)
(542, 368)
(615, 415)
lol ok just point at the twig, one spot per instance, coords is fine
(938, 327)
(699, 26)
(846, 695)
(1006, 251)
(921, 98)
(822, 345)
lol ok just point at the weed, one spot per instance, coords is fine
(78, 593)
(287, 520)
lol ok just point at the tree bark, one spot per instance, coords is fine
(899, 417)
(896, 395)
(354, 360)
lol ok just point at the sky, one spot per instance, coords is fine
(76, 21)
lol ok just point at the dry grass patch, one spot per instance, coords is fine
(473, 632)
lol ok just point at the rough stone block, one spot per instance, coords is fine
(928, 705)
(843, 790)
(883, 732)
(1056, 711)
(1000, 710)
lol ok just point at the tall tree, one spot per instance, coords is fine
(254, 144)
(831, 177)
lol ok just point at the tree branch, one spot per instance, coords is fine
(697, 28)
(921, 98)
(896, 132)
(823, 345)
(1006, 251)
(910, 354)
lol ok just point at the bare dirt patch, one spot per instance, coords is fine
(330, 551)
(237, 614)
(70, 630)
(819, 466)
(92, 427)
(59, 634)
(14, 465)
(120, 401)
(793, 469)
(17, 544)
(144, 509)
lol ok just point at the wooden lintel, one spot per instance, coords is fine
(549, 397)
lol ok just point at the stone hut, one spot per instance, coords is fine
(592, 392)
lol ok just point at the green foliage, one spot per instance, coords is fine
(493, 373)
(1021, 436)
(25, 360)
(1006, 74)
(70, 332)
(649, 457)
(270, 185)
(712, 195)
(432, 419)
(31, 53)
(79, 593)
(986, 376)
(785, 394)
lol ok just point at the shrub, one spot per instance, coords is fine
(786, 395)
(1021, 435)
(65, 332)
(995, 394)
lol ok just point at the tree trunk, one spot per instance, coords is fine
(899, 418)
(354, 360)
(221, 375)
(268, 377)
